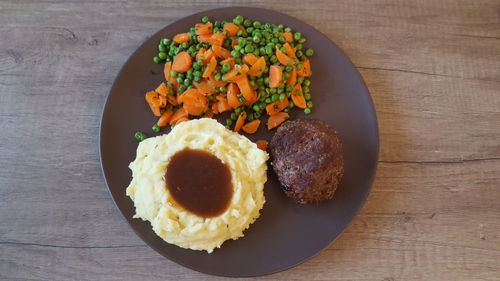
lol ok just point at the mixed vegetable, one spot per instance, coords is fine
(244, 67)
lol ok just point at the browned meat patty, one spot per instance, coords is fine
(306, 155)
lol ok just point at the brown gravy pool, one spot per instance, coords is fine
(199, 182)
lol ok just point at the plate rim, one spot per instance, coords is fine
(353, 215)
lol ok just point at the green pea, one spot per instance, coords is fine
(275, 97)
(218, 77)
(309, 104)
(268, 100)
(302, 40)
(238, 60)
(256, 39)
(288, 68)
(229, 122)
(249, 49)
(226, 67)
(218, 23)
(233, 116)
(306, 89)
(162, 55)
(297, 36)
(286, 110)
(274, 59)
(239, 33)
(266, 80)
(289, 88)
(288, 29)
(168, 59)
(257, 115)
(256, 52)
(197, 73)
(299, 66)
(222, 88)
(282, 39)
(242, 99)
(173, 73)
(256, 107)
(204, 19)
(238, 20)
(165, 41)
(190, 87)
(282, 97)
(250, 30)
(187, 81)
(235, 53)
(283, 49)
(189, 72)
(185, 45)
(299, 46)
(181, 89)
(300, 80)
(250, 117)
(180, 74)
(156, 128)
(307, 111)
(242, 51)
(140, 136)
(256, 24)
(156, 59)
(280, 27)
(309, 52)
(307, 96)
(291, 105)
(247, 23)
(237, 110)
(180, 80)
(161, 47)
(262, 106)
(197, 79)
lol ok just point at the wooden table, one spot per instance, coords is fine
(433, 69)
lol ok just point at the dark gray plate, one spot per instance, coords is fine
(286, 234)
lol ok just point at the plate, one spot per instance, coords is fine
(286, 234)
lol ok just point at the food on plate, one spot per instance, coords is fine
(199, 185)
(246, 68)
(307, 157)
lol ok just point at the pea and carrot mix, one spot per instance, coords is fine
(245, 67)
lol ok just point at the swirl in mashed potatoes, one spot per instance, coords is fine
(153, 202)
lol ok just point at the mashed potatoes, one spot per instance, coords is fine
(153, 202)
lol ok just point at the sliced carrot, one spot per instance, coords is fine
(251, 127)
(282, 58)
(229, 61)
(165, 118)
(204, 87)
(232, 96)
(217, 39)
(193, 102)
(210, 67)
(207, 56)
(208, 114)
(288, 36)
(162, 101)
(203, 29)
(200, 54)
(257, 67)
(182, 62)
(215, 107)
(162, 89)
(275, 76)
(246, 90)
(237, 72)
(276, 107)
(166, 73)
(172, 100)
(216, 83)
(298, 97)
(222, 104)
(276, 119)
(181, 38)
(205, 38)
(153, 102)
(292, 79)
(240, 121)
(289, 50)
(231, 29)
(221, 52)
(305, 70)
(180, 120)
(262, 144)
(250, 59)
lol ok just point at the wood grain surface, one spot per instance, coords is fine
(433, 68)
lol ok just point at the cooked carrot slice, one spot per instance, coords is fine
(298, 96)
(165, 118)
(200, 54)
(162, 101)
(250, 59)
(288, 36)
(229, 61)
(193, 102)
(237, 72)
(180, 120)
(289, 50)
(172, 100)
(217, 39)
(181, 38)
(282, 58)
(240, 121)
(205, 38)
(210, 67)
(277, 106)
(162, 89)
(262, 144)
(251, 127)
(275, 76)
(166, 73)
(276, 119)
(232, 96)
(182, 62)
(204, 87)
(203, 28)
(305, 70)
(231, 29)
(292, 79)
(221, 52)
(246, 90)
(258, 67)
(222, 104)
(207, 56)
(154, 102)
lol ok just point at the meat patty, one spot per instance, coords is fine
(307, 157)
